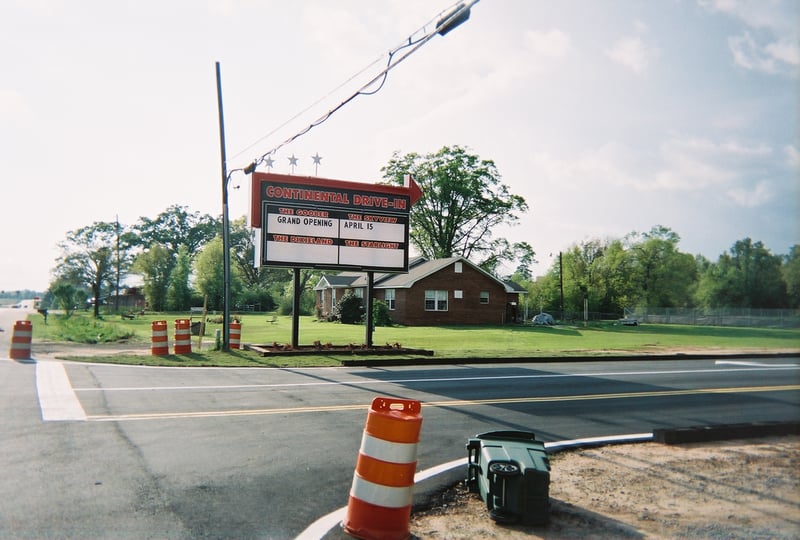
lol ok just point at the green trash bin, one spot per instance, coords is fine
(511, 471)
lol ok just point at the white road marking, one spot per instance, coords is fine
(57, 399)
(752, 364)
(375, 382)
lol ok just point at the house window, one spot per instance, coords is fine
(435, 300)
(459, 267)
(359, 293)
(390, 298)
(458, 293)
(484, 297)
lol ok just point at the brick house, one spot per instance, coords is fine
(437, 292)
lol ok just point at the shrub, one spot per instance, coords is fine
(82, 329)
(380, 313)
(349, 309)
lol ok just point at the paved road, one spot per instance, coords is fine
(91, 450)
(7, 318)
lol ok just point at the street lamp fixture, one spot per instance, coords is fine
(456, 16)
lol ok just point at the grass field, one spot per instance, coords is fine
(446, 342)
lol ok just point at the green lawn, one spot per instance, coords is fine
(446, 342)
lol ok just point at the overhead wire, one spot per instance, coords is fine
(410, 41)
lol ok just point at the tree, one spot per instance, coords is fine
(209, 275)
(597, 270)
(748, 276)
(176, 227)
(179, 293)
(660, 274)
(791, 275)
(611, 273)
(171, 229)
(462, 203)
(88, 256)
(520, 253)
(155, 265)
(66, 296)
(243, 253)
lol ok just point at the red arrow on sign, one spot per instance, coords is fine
(414, 191)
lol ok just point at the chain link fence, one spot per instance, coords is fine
(752, 317)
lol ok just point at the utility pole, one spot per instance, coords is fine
(561, 279)
(116, 303)
(226, 256)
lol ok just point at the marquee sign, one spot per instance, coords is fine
(312, 222)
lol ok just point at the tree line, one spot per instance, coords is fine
(648, 270)
(178, 255)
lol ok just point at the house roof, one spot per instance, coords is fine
(416, 273)
(336, 281)
(352, 279)
(418, 269)
(514, 287)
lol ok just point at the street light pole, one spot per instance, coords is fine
(226, 255)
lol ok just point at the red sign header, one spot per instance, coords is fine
(322, 223)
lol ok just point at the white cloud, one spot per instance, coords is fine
(753, 13)
(43, 8)
(11, 102)
(751, 55)
(693, 164)
(792, 156)
(340, 34)
(758, 195)
(632, 52)
(553, 44)
(785, 51)
(770, 43)
(677, 165)
(610, 165)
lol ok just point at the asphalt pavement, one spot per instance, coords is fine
(234, 453)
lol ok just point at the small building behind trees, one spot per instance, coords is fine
(433, 292)
(131, 299)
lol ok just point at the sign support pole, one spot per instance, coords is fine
(370, 325)
(296, 310)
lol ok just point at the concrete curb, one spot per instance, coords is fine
(434, 361)
(725, 432)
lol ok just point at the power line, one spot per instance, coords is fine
(445, 21)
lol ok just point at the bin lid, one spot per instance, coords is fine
(508, 435)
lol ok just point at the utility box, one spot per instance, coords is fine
(511, 471)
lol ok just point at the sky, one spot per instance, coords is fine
(607, 116)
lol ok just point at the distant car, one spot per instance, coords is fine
(544, 319)
(16, 306)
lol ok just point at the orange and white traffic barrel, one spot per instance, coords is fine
(21, 341)
(235, 334)
(183, 336)
(379, 506)
(159, 344)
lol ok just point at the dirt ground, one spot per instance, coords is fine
(729, 489)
